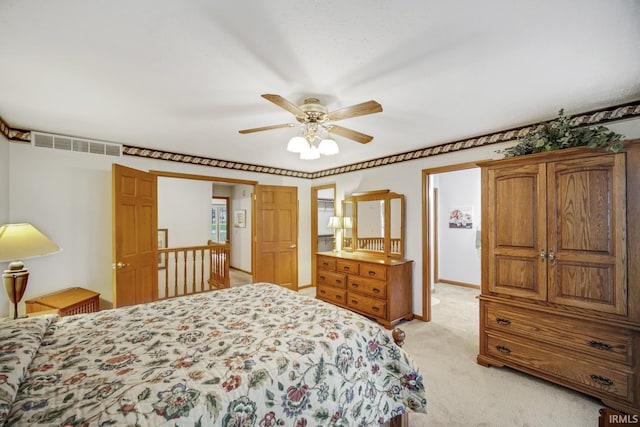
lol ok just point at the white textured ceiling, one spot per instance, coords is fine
(185, 76)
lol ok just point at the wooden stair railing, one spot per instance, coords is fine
(193, 269)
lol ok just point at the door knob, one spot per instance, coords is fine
(119, 265)
(293, 246)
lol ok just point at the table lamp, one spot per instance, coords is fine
(18, 242)
(334, 223)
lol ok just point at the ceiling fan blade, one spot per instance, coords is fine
(287, 125)
(283, 103)
(365, 108)
(351, 134)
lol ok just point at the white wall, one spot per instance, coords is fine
(184, 209)
(68, 196)
(458, 257)
(4, 211)
(241, 237)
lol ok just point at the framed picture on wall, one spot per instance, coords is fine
(240, 218)
(461, 217)
(162, 244)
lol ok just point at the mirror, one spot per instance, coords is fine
(373, 223)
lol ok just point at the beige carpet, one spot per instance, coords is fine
(462, 393)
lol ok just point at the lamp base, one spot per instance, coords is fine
(15, 283)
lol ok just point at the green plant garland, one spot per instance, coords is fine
(558, 134)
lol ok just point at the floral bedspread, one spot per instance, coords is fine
(256, 355)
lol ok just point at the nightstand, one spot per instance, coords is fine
(66, 302)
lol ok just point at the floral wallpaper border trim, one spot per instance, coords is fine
(598, 117)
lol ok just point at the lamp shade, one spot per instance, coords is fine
(334, 222)
(347, 222)
(22, 241)
(328, 147)
(297, 144)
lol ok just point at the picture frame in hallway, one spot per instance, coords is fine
(461, 217)
(240, 218)
(163, 241)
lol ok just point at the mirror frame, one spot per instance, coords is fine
(387, 196)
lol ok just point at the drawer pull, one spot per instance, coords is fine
(325, 264)
(354, 285)
(354, 302)
(322, 291)
(503, 349)
(601, 346)
(338, 281)
(375, 308)
(346, 268)
(372, 273)
(338, 296)
(322, 277)
(602, 380)
(503, 321)
(376, 290)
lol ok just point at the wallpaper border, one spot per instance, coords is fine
(596, 117)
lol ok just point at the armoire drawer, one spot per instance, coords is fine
(333, 295)
(604, 379)
(329, 278)
(603, 342)
(373, 306)
(374, 288)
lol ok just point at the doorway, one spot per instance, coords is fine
(442, 209)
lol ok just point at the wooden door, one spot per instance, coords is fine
(276, 258)
(135, 236)
(515, 217)
(587, 233)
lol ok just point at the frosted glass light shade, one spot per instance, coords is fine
(328, 147)
(311, 153)
(297, 144)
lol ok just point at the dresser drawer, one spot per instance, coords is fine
(347, 266)
(333, 295)
(374, 288)
(326, 263)
(604, 379)
(329, 278)
(613, 344)
(373, 271)
(373, 306)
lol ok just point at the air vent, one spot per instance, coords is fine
(67, 143)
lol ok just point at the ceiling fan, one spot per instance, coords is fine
(315, 121)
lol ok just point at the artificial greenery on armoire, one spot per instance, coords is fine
(558, 134)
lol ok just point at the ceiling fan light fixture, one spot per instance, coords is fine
(311, 153)
(328, 147)
(297, 144)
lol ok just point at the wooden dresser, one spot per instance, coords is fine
(377, 288)
(561, 270)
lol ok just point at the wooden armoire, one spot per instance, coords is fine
(561, 270)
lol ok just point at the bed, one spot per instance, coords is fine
(255, 355)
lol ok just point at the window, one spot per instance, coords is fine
(219, 220)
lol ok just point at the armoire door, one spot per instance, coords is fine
(515, 216)
(587, 233)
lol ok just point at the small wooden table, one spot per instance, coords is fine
(66, 302)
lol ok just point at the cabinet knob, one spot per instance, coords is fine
(552, 255)
(543, 255)
(602, 380)
(503, 349)
(601, 345)
(503, 321)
